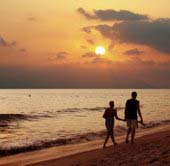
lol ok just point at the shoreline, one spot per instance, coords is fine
(61, 152)
(77, 139)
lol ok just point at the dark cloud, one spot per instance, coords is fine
(118, 75)
(90, 41)
(23, 50)
(155, 34)
(52, 77)
(87, 29)
(99, 60)
(32, 18)
(61, 55)
(152, 33)
(89, 55)
(83, 47)
(106, 31)
(138, 61)
(5, 43)
(123, 15)
(134, 51)
(86, 14)
(111, 15)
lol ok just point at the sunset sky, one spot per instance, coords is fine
(51, 43)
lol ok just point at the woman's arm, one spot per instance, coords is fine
(116, 116)
(125, 111)
(139, 112)
(105, 114)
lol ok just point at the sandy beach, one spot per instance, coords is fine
(151, 147)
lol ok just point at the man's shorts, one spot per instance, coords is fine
(132, 123)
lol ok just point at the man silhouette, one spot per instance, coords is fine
(132, 108)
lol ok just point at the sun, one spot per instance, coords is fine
(100, 50)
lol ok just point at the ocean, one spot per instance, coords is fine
(33, 119)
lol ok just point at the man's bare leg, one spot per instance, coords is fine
(133, 135)
(127, 136)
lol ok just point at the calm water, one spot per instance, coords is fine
(56, 117)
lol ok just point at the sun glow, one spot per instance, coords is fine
(100, 50)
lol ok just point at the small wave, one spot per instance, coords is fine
(53, 113)
(69, 110)
(84, 109)
(76, 110)
(10, 117)
(6, 119)
(51, 143)
(153, 124)
(80, 109)
(96, 108)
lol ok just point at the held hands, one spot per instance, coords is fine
(124, 120)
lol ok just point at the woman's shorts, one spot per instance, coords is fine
(109, 125)
(132, 123)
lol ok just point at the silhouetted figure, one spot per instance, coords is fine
(132, 108)
(109, 115)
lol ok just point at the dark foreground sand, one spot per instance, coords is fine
(152, 149)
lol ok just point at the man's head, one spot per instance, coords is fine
(134, 95)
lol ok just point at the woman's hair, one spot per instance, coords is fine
(111, 103)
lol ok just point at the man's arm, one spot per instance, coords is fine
(139, 112)
(125, 117)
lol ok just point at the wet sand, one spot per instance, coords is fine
(150, 148)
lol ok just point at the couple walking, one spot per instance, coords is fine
(132, 108)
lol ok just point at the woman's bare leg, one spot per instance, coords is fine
(113, 139)
(106, 140)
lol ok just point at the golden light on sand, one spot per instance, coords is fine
(100, 50)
